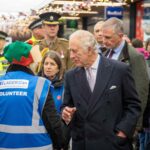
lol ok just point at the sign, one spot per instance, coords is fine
(114, 12)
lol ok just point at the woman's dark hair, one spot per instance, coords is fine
(137, 43)
(56, 57)
(147, 43)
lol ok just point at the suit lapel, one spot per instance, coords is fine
(124, 56)
(103, 76)
(82, 83)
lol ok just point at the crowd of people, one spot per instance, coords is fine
(90, 92)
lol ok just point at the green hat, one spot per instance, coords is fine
(16, 50)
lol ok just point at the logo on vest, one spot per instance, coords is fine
(9, 84)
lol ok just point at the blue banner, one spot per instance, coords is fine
(114, 12)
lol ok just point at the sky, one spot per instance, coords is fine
(14, 6)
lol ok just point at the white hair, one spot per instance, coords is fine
(98, 24)
(85, 38)
(114, 23)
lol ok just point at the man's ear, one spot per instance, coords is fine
(90, 50)
(121, 35)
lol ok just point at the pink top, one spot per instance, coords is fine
(144, 52)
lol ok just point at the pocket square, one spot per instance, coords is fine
(113, 87)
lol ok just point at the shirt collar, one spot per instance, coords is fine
(119, 48)
(51, 42)
(95, 64)
(34, 39)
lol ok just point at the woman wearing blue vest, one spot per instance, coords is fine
(28, 118)
(52, 69)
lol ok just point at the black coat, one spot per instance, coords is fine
(113, 106)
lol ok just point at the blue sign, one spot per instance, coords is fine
(114, 12)
(146, 13)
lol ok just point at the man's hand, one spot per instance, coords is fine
(121, 134)
(67, 114)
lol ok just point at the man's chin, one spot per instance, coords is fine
(78, 64)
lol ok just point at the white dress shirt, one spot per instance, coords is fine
(117, 51)
(91, 73)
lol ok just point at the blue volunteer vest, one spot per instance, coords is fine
(22, 98)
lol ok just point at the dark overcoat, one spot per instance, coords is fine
(114, 105)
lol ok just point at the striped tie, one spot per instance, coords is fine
(111, 53)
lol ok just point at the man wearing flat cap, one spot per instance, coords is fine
(37, 32)
(3, 62)
(28, 118)
(52, 42)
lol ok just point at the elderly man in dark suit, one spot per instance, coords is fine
(101, 104)
(113, 39)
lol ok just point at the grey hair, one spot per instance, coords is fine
(99, 24)
(114, 23)
(85, 38)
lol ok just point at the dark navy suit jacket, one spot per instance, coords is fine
(114, 105)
